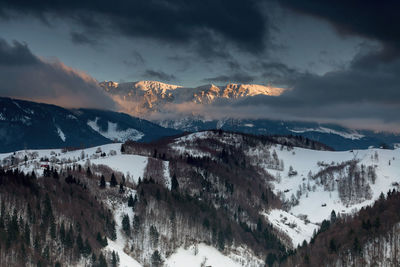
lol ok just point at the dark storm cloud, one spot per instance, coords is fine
(134, 59)
(25, 76)
(82, 39)
(15, 54)
(369, 86)
(276, 72)
(362, 91)
(158, 75)
(231, 78)
(367, 89)
(241, 22)
(372, 19)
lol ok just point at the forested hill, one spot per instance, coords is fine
(369, 238)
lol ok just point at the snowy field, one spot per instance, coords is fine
(199, 255)
(132, 166)
(292, 226)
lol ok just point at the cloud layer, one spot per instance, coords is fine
(178, 21)
(368, 18)
(365, 90)
(25, 76)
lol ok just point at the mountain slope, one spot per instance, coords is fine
(25, 124)
(152, 99)
(247, 198)
(309, 183)
(122, 127)
(33, 125)
(368, 238)
(335, 136)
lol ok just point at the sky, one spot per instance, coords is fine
(339, 60)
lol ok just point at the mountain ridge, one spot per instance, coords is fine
(26, 124)
(144, 97)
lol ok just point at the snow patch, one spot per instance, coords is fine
(167, 175)
(353, 135)
(124, 259)
(121, 208)
(61, 134)
(132, 166)
(199, 255)
(297, 229)
(71, 117)
(113, 133)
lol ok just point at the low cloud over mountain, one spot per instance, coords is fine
(26, 76)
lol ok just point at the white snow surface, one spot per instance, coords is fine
(120, 209)
(113, 133)
(132, 166)
(318, 204)
(349, 135)
(292, 226)
(207, 255)
(61, 134)
(124, 259)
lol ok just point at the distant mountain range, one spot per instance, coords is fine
(25, 124)
(335, 136)
(144, 97)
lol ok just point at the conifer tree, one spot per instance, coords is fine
(174, 183)
(69, 238)
(27, 235)
(88, 172)
(102, 182)
(114, 259)
(62, 233)
(113, 181)
(87, 248)
(79, 244)
(333, 216)
(102, 260)
(156, 259)
(126, 226)
(130, 201)
(121, 188)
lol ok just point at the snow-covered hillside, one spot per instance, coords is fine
(311, 183)
(204, 255)
(131, 166)
(297, 229)
(314, 183)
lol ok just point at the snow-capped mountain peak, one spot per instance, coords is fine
(155, 85)
(148, 96)
(242, 90)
